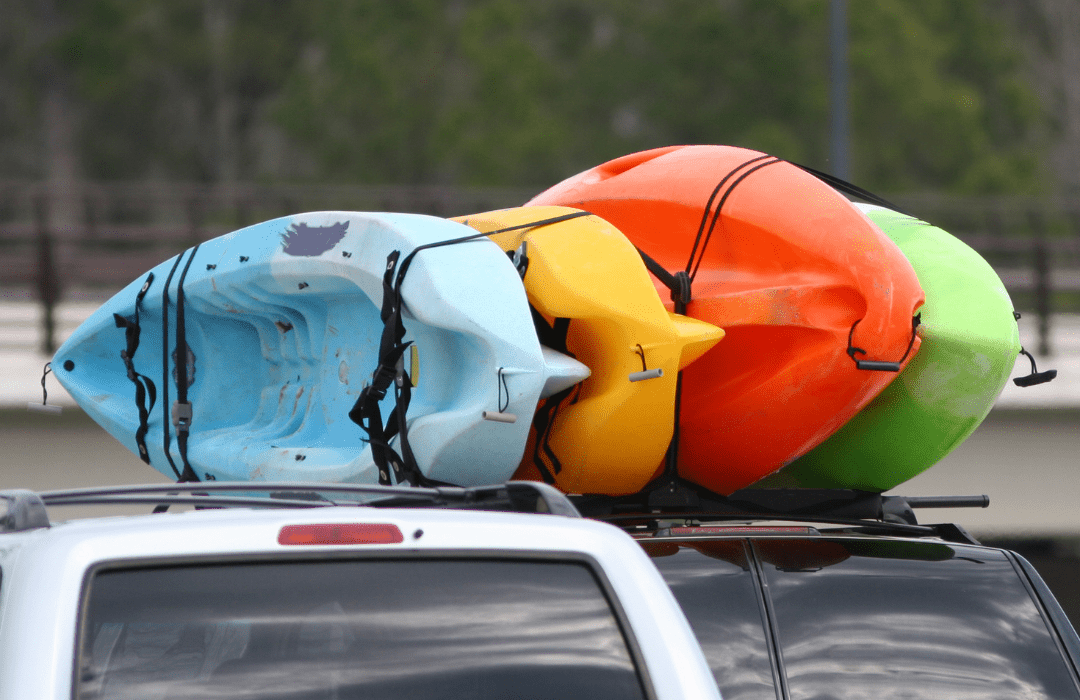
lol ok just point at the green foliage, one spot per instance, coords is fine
(177, 87)
(938, 100)
(497, 91)
(525, 92)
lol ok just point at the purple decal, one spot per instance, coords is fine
(301, 239)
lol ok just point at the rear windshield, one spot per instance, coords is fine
(354, 629)
(865, 619)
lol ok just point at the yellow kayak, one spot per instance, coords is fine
(584, 279)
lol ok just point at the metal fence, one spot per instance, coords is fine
(94, 238)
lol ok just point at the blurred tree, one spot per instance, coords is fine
(180, 88)
(939, 100)
(521, 92)
(37, 116)
(1048, 32)
(498, 91)
(427, 91)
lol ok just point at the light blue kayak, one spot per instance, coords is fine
(282, 326)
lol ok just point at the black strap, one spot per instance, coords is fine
(143, 385)
(708, 205)
(181, 410)
(515, 227)
(679, 283)
(390, 369)
(691, 266)
(551, 335)
(166, 420)
(45, 392)
(366, 412)
(881, 365)
(668, 488)
(850, 189)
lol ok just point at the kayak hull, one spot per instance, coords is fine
(610, 434)
(970, 342)
(788, 269)
(283, 328)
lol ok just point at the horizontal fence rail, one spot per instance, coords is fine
(97, 237)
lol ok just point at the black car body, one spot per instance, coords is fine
(802, 596)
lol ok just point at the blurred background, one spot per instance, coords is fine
(132, 129)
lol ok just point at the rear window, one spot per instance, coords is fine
(714, 585)
(914, 620)
(354, 629)
(869, 619)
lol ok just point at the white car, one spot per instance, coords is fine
(416, 593)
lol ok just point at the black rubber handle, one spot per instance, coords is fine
(948, 501)
(877, 365)
(1035, 378)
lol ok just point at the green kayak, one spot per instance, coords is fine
(970, 342)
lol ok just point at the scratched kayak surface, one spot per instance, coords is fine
(970, 342)
(282, 326)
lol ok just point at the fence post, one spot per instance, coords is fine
(1041, 267)
(47, 281)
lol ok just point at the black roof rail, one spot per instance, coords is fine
(865, 509)
(22, 510)
(512, 496)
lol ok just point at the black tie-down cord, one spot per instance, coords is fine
(180, 415)
(44, 406)
(1036, 377)
(391, 369)
(553, 336)
(181, 410)
(144, 386)
(669, 489)
(1032, 379)
(881, 365)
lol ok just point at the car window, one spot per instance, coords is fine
(911, 620)
(713, 584)
(420, 628)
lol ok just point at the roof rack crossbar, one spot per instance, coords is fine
(845, 507)
(513, 496)
(186, 500)
(906, 528)
(948, 501)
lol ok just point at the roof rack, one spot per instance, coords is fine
(864, 510)
(27, 510)
(21, 510)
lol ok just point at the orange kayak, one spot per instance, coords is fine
(803, 284)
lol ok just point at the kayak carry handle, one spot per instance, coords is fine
(881, 365)
(1036, 377)
(877, 365)
(499, 417)
(646, 374)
